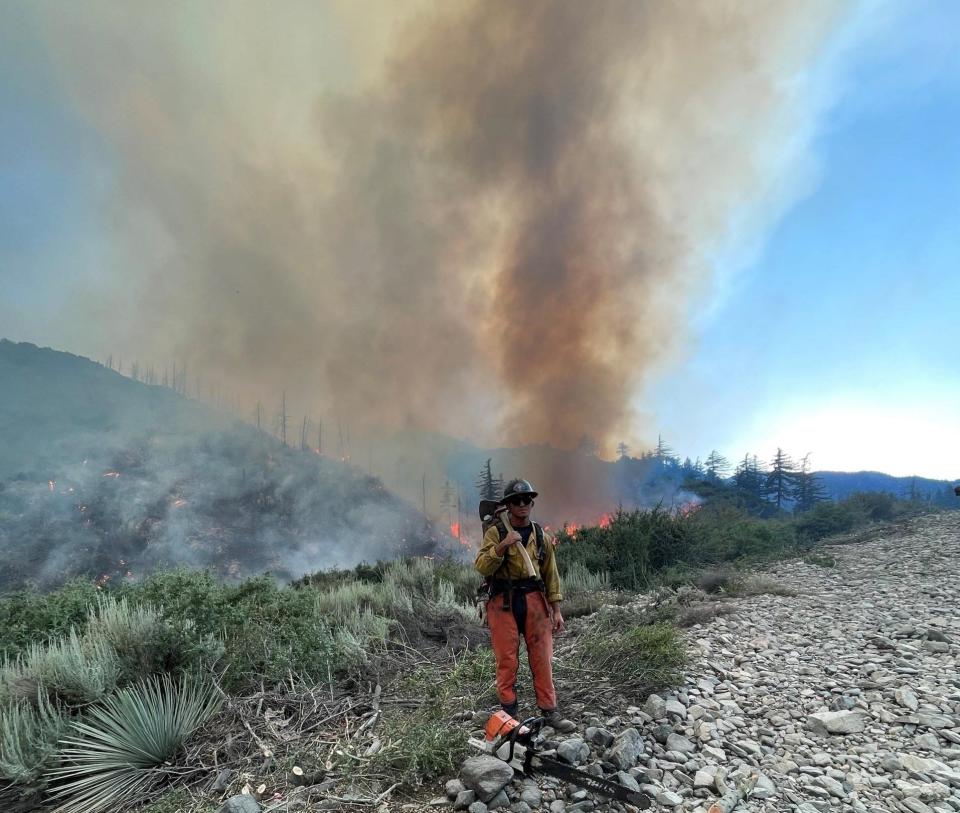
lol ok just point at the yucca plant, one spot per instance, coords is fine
(112, 755)
(28, 739)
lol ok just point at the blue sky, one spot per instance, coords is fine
(842, 336)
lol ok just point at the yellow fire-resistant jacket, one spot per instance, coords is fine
(511, 565)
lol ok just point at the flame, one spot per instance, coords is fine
(605, 520)
(51, 484)
(111, 474)
(455, 529)
(179, 502)
(689, 508)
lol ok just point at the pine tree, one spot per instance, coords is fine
(717, 466)
(487, 484)
(663, 452)
(782, 478)
(622, 450)
(808, 490)
(748, 478)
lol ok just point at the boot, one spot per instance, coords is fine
(510, 708)
(553, 719)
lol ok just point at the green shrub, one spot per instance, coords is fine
(645, 657)
(578, 580)
(28, 617)
(756, 585)
(145, 643)
(631, 548)
(820, 559)
(29, 732)
(421, 743)
(825, 519)
(73, 671)
(871, 506)
(718, 581)
(701, 613)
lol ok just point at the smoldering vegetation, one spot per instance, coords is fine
(106, 478)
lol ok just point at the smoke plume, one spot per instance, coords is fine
(484, 218)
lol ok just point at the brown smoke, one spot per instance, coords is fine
(485, 218)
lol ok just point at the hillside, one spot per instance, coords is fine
(102, 476)
(841, 484)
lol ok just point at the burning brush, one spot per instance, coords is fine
(521, 744)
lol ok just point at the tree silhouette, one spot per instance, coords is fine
(782, 478)
(488, 485)
(748, 477)
(717, 466)
(807, 490)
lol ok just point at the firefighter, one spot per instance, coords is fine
(519, 605)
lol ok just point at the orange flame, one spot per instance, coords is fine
(605, 520)
(112, 474)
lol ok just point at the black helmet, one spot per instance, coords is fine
(518, 487)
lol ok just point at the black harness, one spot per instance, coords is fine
(514, 591)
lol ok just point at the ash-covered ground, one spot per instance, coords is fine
(104, 477)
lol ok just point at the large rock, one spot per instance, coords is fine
(453, 788)
(656, 707)
(669, 798)
(676, 709)
(486, 775)
(574, 751)
(599, 736)
(677, 742)
(464, 799)
(906, 698)
(241, 804)
(532, 796)
(838, 722)
(626, 749)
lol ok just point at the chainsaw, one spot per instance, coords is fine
(518, 744)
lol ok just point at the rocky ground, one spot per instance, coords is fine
(844, 697)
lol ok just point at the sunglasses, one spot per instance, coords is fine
(520, 501)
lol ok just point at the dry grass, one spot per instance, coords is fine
(702, 613)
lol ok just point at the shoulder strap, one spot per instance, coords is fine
(541, 550)
(538, 532)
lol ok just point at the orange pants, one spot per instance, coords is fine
(533, 615)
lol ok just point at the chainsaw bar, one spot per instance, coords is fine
(587, 781)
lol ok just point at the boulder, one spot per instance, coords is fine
(464, 799)
(241, 804)
(677, 742)
(486, 775)
(838, 722)
(656, 707)
(574, 751)
(626, 749)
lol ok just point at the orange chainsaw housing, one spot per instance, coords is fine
(501, 724)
